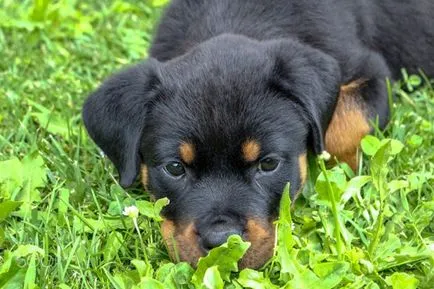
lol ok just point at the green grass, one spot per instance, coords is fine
(61, 224)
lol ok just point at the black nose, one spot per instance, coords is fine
(218, 232)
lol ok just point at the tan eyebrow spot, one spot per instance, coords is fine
(250, 149)
(187, 152)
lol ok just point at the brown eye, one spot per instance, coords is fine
(175, 169)
(268, 164)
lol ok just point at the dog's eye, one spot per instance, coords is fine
(268, 164)
(175, 169)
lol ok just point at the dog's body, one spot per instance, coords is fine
(398, 33)
(238, 91)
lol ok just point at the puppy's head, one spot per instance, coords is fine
(219, 131)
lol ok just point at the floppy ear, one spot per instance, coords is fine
(311, 79)
(115, 115)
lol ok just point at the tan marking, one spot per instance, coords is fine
(144, 176)
(302, 166)
(187, 152)
(348, 126)
(182, 242)
(352, 87)
(261, 235)
(251, 150)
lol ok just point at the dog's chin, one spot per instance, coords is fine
(182, 243)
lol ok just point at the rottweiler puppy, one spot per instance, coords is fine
(234, 95)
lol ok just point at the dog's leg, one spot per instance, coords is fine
(361, 101)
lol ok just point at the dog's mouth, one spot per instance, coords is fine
(182, 241)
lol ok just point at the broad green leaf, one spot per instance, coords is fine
(331, 273)
(285, 207)
(399, 280)
(416, 180)
(404, 254)
(366, 266)
(34, 170)
(414, 80)
(14, 279)
(305, 279)
(20, 179)
(388, 147)
(212, 278)
(149, 283)
(226, 257)
(112, 246)
(378, 163)
(373, 285)
(354, 255)
(83, 224)
(30, 278)
(396, 185)
(10, 169)
(164, 271)
(13, 275)
(370, 144)
(182, 273)
(39, 10)
(142, 268)
(173, 275)
(354, 186)
(160, 204)
(7, 207)
(395, 147)
(25, 250)
(115, 208)
(2, 236)
(10, 177)
(423, 215)
(126, 279)
(7, 262)
(250, 278)
(337, 182)
(52, 121)
(146, 208)
(62, 204)
(415, 141)
(152, 210)
(285, 240)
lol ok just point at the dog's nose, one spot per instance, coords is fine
(216, 238)
(218, 232)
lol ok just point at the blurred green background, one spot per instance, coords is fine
(61, 223)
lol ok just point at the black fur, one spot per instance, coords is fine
(224, 71)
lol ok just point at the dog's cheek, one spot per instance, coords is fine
(181, 241)
(261, 235)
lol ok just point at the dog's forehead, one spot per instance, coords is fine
(225, 123)
(217, 98)
(222, 59)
